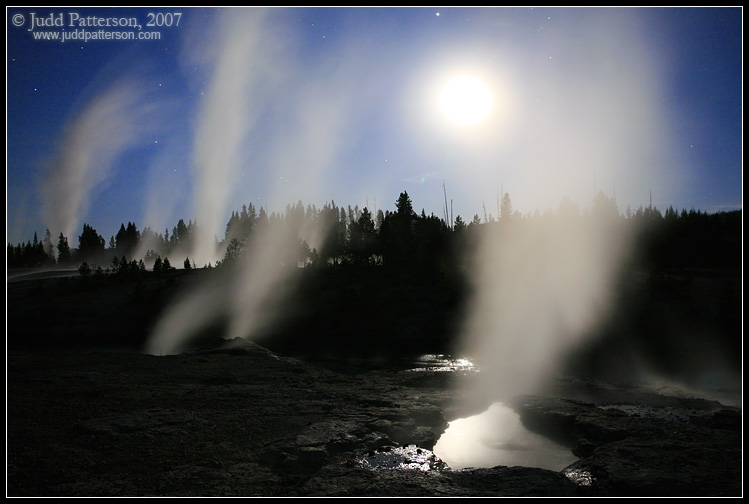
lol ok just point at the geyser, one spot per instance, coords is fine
(111, 123)
(238, 81)
(226, 115)
(542, 282)
(283, 131)
(540, 285)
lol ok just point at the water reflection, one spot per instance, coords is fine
(407, 457)
(497, 437)
(444, 363)
(580, 478)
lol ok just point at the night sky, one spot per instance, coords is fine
(272, 106)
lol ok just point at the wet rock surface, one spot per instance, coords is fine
(661, 446)
(247, 422)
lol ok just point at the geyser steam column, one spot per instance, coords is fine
(586, 109)
(225, 119)
(226, 116)
(252, 77)
(539, 286)
(102, 131)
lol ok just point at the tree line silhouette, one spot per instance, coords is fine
(396, 280)
(399, 240)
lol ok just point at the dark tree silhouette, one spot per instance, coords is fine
(234, 251)
(84, 270)
(127, 239)
(181, 234)
(362, 239)
(404, 208)
(431, 246)
(333, 242)
(459, 225)
(30, 254)
(90, 245)
(64, 257)
(397, 235)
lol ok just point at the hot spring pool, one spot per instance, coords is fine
(497, 437)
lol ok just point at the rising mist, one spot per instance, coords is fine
(111, 123)
(283, 128)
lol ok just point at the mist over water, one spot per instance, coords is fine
(539, 288)
(586, 126)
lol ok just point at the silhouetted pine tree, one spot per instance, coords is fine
(64, 257)
(90, 245)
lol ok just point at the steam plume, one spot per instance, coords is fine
(287, 157)
(109, 125)
(541, 285)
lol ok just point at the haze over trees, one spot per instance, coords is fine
(401, 241)
(401, 280)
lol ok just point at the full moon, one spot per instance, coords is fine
(465, 100)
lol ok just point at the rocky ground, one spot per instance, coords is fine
(88, 414)
(244, 421)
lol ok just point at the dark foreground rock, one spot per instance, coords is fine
(247, 422)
